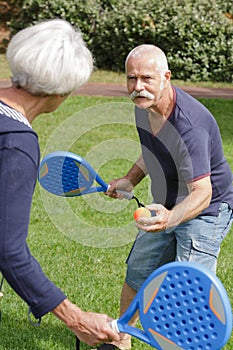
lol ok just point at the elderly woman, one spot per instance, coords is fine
(47, 61)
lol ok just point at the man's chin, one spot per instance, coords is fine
(143, 102)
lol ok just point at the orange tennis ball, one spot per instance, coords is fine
(141, 212)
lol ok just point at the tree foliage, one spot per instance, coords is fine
(196, 35)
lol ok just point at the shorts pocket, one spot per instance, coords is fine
(211, 247)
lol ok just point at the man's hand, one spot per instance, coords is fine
(122, 183)
(197, 200)
(156, 223)
(129, 181)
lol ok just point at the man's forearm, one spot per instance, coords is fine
(189, 208)
(137, 172)
(198, 199)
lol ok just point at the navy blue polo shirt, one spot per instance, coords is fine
(187, 148)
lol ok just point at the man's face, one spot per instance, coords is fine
(145, 83)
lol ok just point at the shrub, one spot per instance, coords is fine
(196, 35)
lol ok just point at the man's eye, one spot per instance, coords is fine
(148, 79)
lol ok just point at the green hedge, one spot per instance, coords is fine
(196, 35)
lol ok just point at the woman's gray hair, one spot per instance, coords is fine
(49, 58)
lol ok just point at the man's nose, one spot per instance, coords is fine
(139, 85)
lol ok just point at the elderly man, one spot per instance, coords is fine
(191, 181)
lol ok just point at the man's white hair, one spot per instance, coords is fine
(151, 51)
(49, 58)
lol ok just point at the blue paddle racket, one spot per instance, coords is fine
(67, 174)
(181, 305)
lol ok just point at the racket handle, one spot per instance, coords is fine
(114, 326)
(126, 328)
(126, 194)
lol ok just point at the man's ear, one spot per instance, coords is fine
(167, 75)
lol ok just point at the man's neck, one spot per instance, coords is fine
(165, 105)
(159, 114)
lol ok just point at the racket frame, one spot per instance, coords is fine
(220, 308)
(57, 157)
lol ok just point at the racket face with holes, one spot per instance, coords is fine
(67, 174)
(183, 305)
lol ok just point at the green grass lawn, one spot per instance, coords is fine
(82, 242)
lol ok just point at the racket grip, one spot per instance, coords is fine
(126, 194)
(114, 326)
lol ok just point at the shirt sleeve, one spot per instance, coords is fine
(194, 157)
(22, 271)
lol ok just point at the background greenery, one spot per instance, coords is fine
(103, 76)
(91, 277)
(196, 35)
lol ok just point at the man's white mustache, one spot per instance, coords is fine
(143, 93)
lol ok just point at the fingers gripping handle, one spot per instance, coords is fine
(125, 194)
(114, 326)
(126, 328)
